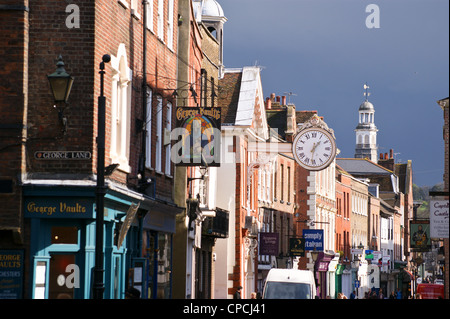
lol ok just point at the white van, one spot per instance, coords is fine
(289, 284)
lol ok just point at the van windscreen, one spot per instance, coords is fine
(286, 290)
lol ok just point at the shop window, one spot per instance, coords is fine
(58, 282)
(64, 235)
(40, 280)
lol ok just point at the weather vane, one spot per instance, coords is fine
(367, 93)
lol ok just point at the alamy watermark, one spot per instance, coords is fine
(73, 19)
(373, 19)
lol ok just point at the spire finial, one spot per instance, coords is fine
(367, 93)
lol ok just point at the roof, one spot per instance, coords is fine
(212, 8)
(241, 98)
(230, 87)
(366, 106)
(361, 166)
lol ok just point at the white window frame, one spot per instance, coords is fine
(149, 17)
(148, 128)
(134, 8)
(159, 135)
(170, 28)
(161, 19)
(120, 109)
(168, 146)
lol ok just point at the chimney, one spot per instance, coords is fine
(381, 156)
(386, 156)
(278, 99)
(268, 104)
(391, 153)
(272, 97)
(283, 100)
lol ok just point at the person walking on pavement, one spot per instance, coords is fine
(237, 294)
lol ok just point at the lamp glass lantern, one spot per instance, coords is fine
(60, 82)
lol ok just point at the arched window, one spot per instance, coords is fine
(120, 108)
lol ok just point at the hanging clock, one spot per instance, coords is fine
(314, 147)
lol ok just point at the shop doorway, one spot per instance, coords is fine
(62, 279)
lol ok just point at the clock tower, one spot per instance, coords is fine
(366, 131)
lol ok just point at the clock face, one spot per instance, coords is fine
(314, 148)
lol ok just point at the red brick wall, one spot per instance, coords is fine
(14, 27)
(104, 25)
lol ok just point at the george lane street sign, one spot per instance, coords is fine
(63, 155)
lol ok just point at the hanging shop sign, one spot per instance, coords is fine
(439, 226)
(420, 235)
(63, 155)
(198, 136)
(297, 247)
(50, 207)
(268, 244)
(131, 213)
(313, 239)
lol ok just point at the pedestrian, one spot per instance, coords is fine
(237, 294)
(399, 294)
(381, 295)
(353, 295)
(392, 296)
(253, 295)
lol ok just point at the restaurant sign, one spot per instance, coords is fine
(44, 207)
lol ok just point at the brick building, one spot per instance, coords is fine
(56, 174)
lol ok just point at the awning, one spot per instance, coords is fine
(340, 269)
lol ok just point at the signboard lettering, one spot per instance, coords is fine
(54, 208)
(313, 239)
(11, 274)
(198, 136)
(439, 225)
(63, 155)
(268, 244)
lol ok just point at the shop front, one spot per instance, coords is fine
(151, 249)
(62, 241)
(320, 272)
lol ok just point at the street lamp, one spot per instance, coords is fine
(61, 84)
(100, 189)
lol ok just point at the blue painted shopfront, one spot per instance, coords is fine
(62, 249)
(62, 237)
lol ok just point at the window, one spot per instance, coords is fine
(159, 141)
(134, 8)
(120, 109)
(148, 128)
(161, 19)
(167, 137)
(170, 24)
(64, 235)
(150, 15)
